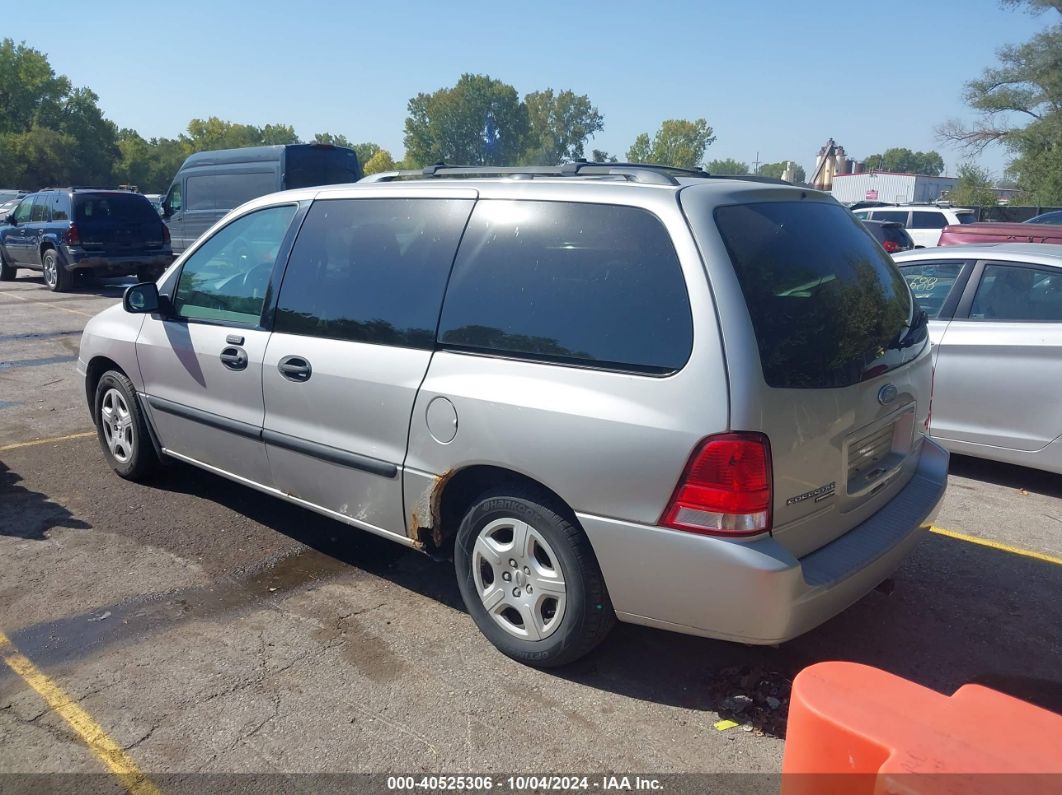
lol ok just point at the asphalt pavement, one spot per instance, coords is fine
(204, 627)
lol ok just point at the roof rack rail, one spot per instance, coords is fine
(645, 173)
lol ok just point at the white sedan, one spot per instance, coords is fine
(996, 325)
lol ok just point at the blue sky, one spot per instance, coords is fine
(772, 77)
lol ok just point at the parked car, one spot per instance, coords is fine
(1000, 233)
(8, 207)
(530, 375)
(1053, 217)
(66, 231)
(891, 235)
(922, 221)
(996, 323)
(209, 184)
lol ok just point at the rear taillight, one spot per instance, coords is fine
(891, 246)
(725, 489)
(165, 234)
(72, 237)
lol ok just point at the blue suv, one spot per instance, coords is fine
(68, 231)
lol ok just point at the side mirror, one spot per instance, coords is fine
(142, 299)
(167, 211)
(10, 219)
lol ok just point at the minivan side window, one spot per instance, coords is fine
(900, 216)
(227, 277)
(586, 284)
(371, 270)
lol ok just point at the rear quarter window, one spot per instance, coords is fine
(585, 284)
(827, 304)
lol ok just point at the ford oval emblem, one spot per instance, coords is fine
(887, 394)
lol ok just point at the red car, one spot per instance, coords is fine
(959, 234)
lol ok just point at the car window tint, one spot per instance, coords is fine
(60, 207)
(931, 283)
(371, 270)
(827, 304)
(113, 206)
(922, 219)
(40, 210)
(227, 276)
(24, 209)
(228, 191)
(1008, 292)
(900, 216)
(575, 283)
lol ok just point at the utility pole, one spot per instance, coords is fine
(756, 165)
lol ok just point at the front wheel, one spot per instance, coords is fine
(530, 579)
(7, 272)
(56, 277)
(122, 429)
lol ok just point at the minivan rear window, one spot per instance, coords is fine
(828, 306)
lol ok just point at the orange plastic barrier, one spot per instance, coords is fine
(889, 735)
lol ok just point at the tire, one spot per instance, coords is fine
(567, 612)
(57, 278)
(122, 429)
(7, 272)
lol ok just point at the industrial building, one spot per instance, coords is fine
(885, 187)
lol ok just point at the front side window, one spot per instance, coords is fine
(174, 199)
(227, 277)
(586, 284)
(1017, 293)
(931, 283)
(928, 220)
(24, 210)
(371, 270)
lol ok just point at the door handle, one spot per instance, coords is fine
(234, 358)
(295, 368)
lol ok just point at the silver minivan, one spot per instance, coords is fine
(609, 392)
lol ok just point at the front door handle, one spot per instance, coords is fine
(295, 368)
(234, 358)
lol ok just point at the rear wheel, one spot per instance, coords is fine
(56, 277)
(529, 578)
(122, 429)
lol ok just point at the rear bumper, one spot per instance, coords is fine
(120, 264)
(758, 592)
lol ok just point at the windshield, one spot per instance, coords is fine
(827, 304)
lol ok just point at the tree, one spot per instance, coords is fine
(559, 126)
(334, 140)
(678, 142)
(365, 151)
(380, 161)
(973, 188)
(728, 167)
(903, 161)
(480, 121)
(214, 133)
(777, 170)
(1020, 105)
(50, 132)
(601, 156)
(150, 165)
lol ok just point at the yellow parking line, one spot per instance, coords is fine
(54, 439)
(50, 306)
(986, 542)
(93, 735)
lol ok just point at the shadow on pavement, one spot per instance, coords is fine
(85, 285)
(30, 514)
(1009, 475)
